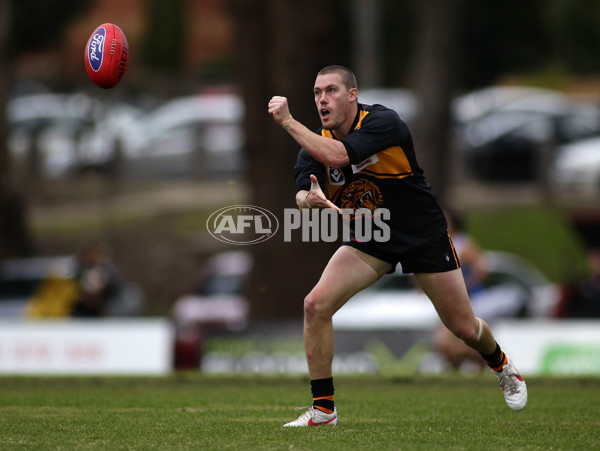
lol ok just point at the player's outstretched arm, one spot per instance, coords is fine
(327, 151)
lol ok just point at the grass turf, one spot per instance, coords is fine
(192, 411)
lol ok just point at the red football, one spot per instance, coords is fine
(106, 55)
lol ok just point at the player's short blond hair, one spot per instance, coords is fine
(348, 78)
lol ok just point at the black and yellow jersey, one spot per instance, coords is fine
(383, 173)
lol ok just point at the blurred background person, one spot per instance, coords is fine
(99, 281)
(582, 299)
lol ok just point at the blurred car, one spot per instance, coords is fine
(514, 288)
(193, 135)
(577, 167)
(402, 101)
(202, 135)
(217, 297)
(52, 135)
(47, 287)
(502, 130)
(216, 302)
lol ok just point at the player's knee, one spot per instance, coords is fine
(315, 306)
(467, 333)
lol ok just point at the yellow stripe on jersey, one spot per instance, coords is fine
(392, 164)
(361, 116)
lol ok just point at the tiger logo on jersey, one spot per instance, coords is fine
(362, 193)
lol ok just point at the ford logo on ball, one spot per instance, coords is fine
(242, 224)
(96, 49)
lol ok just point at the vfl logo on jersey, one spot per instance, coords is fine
(362, 193)
(363, 164)
(336, 177)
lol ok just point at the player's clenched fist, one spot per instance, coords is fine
(278, 108)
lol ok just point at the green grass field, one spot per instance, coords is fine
(191, 411)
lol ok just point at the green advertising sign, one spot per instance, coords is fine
(569, 359)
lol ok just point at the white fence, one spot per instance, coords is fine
(86, 347)
(557, 348)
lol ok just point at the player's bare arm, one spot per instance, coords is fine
(327, 151)
(315, 198)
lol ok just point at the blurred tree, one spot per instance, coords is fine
(166, 29)
(280, 47)
(499, 38)
(574, 26)
(502, 37)
(40, 25)
(366, 43)
(24, 25)
(434, 81)
(397, 23)
(14, 237)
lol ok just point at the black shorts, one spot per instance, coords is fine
(438, 256)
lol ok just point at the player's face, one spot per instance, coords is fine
(334, 102)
